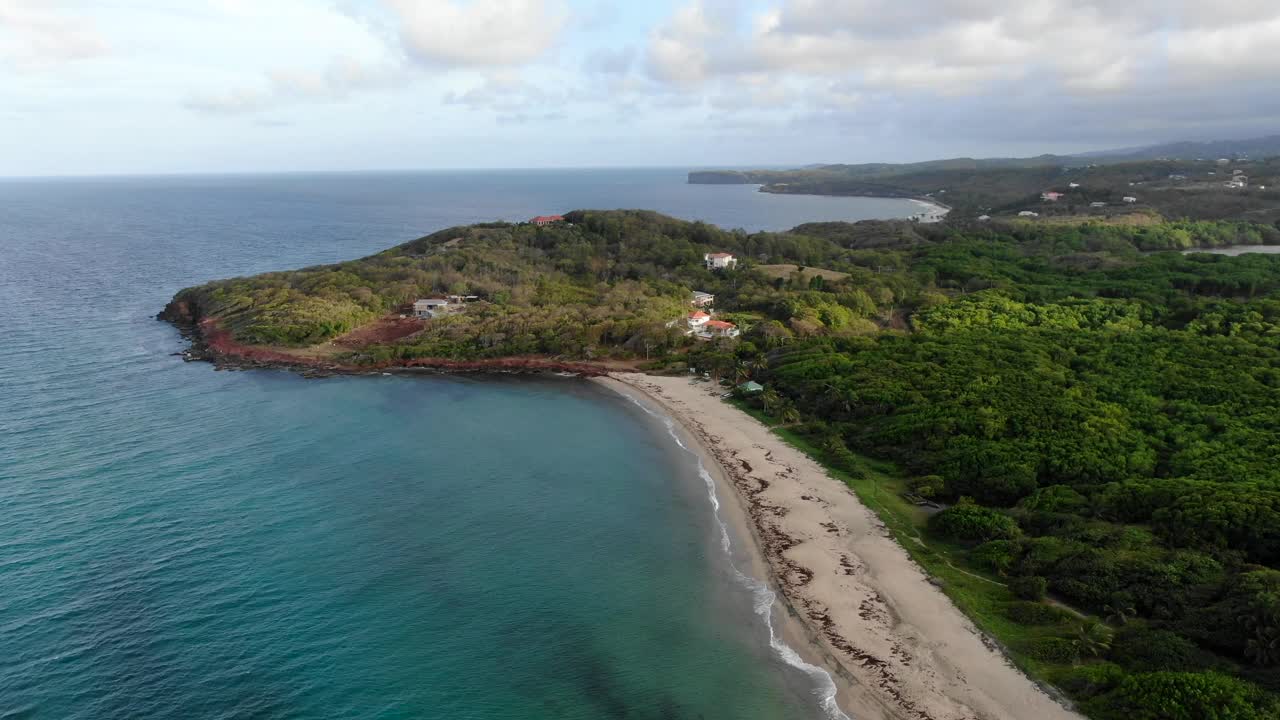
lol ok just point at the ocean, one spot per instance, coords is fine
(180, 542)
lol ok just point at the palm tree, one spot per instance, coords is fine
(770, 398)
(1119, 612)
(789, 414)
(1093, 639)
(1264, 647)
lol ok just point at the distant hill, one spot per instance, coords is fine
(1177, 180)
(1256, 148)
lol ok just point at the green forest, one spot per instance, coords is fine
(1094, 416)
(1172, 188)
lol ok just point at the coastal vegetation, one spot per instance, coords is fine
(1071, 426)
(1089, 187)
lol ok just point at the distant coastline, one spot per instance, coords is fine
(778, 183)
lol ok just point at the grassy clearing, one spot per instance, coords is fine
(786, 271)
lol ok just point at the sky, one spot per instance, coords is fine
(175, 86)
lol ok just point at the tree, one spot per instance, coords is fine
(770, 399)
(1119, 611)
(1029, 587)
(789, 415)
(1179, 696)
(1093, 638)
(968, 522)
(1147, 649)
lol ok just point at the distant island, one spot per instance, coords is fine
(1068, 423)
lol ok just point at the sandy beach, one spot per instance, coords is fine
(860, 607)
(934, 212)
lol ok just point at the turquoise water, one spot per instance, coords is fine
(180, 542)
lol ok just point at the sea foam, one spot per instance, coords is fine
(763, 597)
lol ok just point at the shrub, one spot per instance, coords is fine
(1054, 650)
(1029, 587)
(1034, 613)
(997, 555)
(972, 523)
(1181, 696)
(1138, 647)
(1086, 681)
(929, 486)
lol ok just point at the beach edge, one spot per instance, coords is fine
(856, 604)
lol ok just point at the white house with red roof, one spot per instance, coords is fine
(697, 319)
(720, 261)
(720, 328)
(547, 219)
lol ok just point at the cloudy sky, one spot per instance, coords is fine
(143, 86)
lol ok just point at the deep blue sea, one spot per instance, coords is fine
(177, 542)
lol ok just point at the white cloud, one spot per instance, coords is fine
(343, 77)
(846, 57)
(479, 33)
(36, 33)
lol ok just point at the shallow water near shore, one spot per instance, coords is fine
(180, 542)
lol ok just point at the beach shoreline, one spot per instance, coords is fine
(733, 509)
(853, 601)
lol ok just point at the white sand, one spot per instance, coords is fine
(933, 212)
(896, 645)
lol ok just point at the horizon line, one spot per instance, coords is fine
(390, 171)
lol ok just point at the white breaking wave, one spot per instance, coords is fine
(761, 594)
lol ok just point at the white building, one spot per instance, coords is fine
(983, 218)
(430, 307)
(1129, 199)
(1028, 213)
(697, 319)
(1097, 204)
(702, 299)
(720, 328)
(720, 261)
(1073, 186)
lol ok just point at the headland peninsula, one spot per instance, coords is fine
(1068, 433)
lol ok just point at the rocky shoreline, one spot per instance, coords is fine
(211, 343)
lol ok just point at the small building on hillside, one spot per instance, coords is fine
(1028, 213)
(1051, 196)
(702, 299)
(547, 219)
(1097, 204)
(751, 387)
(720, 328)
(720, 261)
(430, 307)
(1073, 186)
(698, 319)
(983, 218)
(1129, 199)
